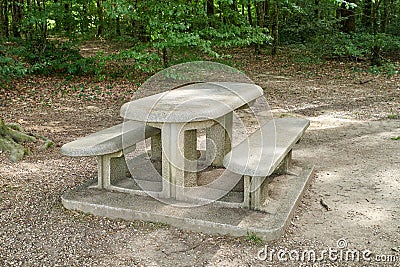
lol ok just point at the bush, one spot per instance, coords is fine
(356, 46)
(56, 57)
(10, 67)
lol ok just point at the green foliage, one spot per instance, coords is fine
(348, 4)
(335, 45)
(302, 54)
(395, 138)
(35, 57)
(393, 116)
(127, 61)
(352, 47)
(252, 237)
(388, 68)
(57, 57)
(228, 36)
(49, 58)
(301, 25)
(10, 69)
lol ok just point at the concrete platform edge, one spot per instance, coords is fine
(276, 230)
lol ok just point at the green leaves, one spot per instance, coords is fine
(236, 36)
(348, 4)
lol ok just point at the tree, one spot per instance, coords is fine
(17, 7)
(210, 7)
(100, 23)
(275, 32)
(4, 22)
(347, 12)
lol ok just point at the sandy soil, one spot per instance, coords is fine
(353, 198)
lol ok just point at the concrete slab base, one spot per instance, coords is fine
(285, 192)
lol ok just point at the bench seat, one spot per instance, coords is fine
(268, 150)
(108, 146)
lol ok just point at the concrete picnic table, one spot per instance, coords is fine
(179, 113)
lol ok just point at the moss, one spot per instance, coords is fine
(16, 151)
(11, 139)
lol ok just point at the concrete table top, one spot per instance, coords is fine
(179, 113)
(193, 102)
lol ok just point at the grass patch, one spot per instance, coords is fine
(252, 237)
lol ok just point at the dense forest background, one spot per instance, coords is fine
(44, 37)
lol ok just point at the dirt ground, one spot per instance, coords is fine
(352, 204)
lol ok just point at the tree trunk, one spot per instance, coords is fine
(85, 21)
(43, 23)
(316, 9)
(367, 14)
(260, 7)
(249, 15)
(275, 33)
(234, 5)
(100, 17)
(67, 18)
(375, 53)
(29, 31)
(117, 26)
(210, 7)
(348, 18)
(267, 5)
(4, 23)
(17, 16)
(165, 57)
(385, 16)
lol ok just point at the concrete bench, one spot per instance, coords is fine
(108, 146)
(266, 151)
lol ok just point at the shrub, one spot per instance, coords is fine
(56, 57)
(356, 46)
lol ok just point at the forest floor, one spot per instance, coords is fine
(352, 206)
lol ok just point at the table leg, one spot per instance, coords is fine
(110, 169)
(218, 142)
(156, 149)
(179, 160)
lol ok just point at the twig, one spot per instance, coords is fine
(323, 204)
(364, 82)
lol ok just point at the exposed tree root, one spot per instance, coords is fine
(12, 138)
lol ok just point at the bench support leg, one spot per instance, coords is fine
(285, 165)
(111, 168)
(156, 148)
(258, 193)
(246, 191)
(218, 142)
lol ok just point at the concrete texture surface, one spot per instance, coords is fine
(212, 218)
(194, 102)
(110, 140)
(265, 149)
